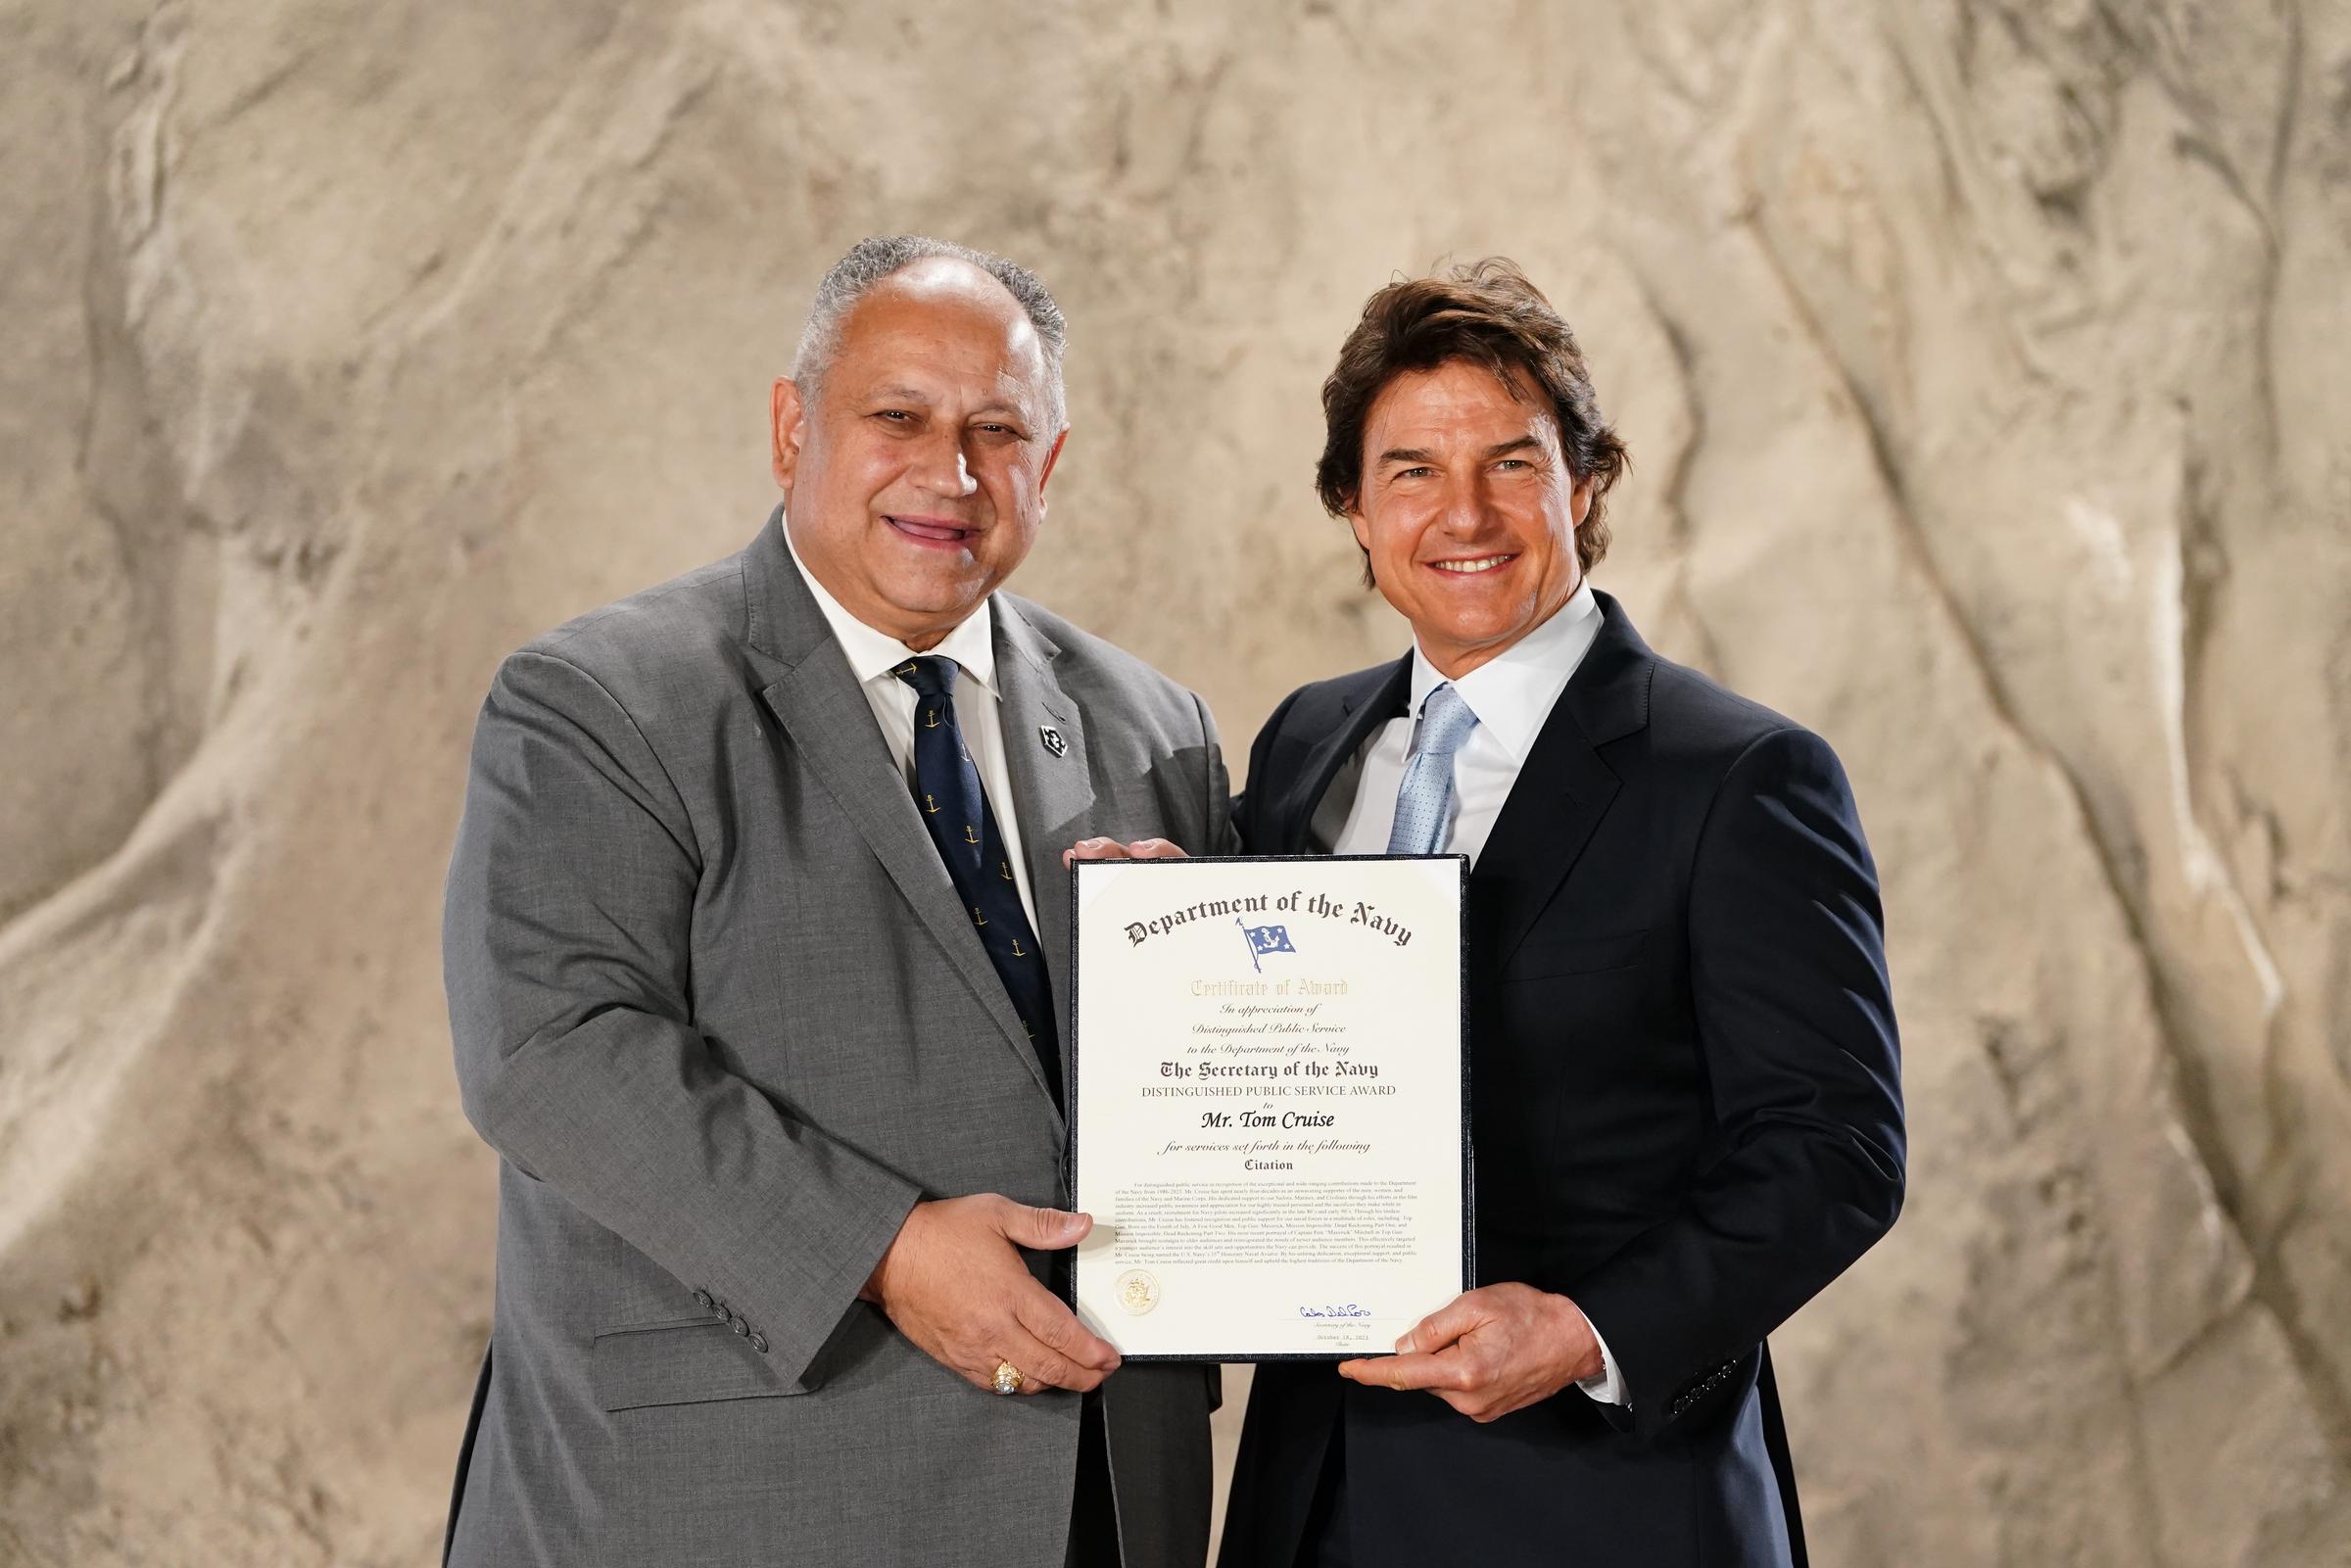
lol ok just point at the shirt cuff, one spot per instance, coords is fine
(1604, 1384)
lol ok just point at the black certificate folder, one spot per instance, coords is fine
(1270, 1101)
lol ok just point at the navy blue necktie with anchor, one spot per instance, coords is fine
(955, 810)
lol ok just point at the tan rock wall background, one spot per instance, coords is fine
(1983, 367)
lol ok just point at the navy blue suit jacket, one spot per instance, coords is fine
(1687, 1110)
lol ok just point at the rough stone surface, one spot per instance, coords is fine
(1983, 363)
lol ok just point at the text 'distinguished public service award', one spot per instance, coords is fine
(1271, 1103)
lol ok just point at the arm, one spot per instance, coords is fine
(1795, 1020)
(567, 953)
(1252, 836)
(1217, 837)
(1797, 1023)
(1223, 837)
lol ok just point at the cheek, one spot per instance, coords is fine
(1395, 551)
(1012, 488)
(864, 470)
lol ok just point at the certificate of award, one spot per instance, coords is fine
(1271, 1123)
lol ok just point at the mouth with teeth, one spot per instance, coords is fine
(937, 533)
(1473, 565)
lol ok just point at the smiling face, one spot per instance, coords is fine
(914, 480)
(1467, 511)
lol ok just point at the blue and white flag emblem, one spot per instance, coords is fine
(1265, 939)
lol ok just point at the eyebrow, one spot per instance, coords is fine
(1500, 449)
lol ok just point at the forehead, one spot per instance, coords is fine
(1456, 396)
(945, 317)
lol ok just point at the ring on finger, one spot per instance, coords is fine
(1008, 1378)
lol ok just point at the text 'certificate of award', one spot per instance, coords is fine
(1271, 1103)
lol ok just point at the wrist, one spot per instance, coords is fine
(1582, 1345)
(875, 1287)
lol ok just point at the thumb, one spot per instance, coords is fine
(1044, 1228)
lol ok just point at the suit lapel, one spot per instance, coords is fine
(1381, 698)
(1562, 791)
(815, 698)
(1053, 791)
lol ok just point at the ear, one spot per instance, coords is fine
(1362, 526)
(1052, 457)
(788, 421)
(1579, 503)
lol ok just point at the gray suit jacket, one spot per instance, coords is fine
(719, 1009)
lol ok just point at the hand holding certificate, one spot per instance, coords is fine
(1271, 1107)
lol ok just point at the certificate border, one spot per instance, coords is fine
(1468, 1145)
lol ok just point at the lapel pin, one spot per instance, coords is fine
(1052, 739)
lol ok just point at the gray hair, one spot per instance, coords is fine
(878, 257)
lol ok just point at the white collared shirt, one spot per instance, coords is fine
(979, 702)
(1512, 695)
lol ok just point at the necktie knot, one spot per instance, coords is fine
(1444, 723)
(929, 675)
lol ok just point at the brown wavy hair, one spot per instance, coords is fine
(1485, 313)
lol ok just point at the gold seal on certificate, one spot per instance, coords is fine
(1271, 1110)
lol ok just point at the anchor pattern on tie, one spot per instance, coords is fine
(963, 829)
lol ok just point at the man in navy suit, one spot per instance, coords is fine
(1685, 1087)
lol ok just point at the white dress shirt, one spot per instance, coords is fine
(1512, 695)
(979, 702)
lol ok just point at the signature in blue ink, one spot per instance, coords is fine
(1348, 1310)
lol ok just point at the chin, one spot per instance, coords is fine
(939, 600)
(1481, 634)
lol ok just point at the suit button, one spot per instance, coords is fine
(704, 1300)
(739, 1325)
(760, 1342)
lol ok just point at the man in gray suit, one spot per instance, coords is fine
(755, 945)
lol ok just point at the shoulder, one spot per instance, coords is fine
(1731, 753)
(654, 642)
(1703, 712)
(1317, 708)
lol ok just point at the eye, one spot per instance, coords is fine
(1414, 473)
(1513, 464)
(895, 417)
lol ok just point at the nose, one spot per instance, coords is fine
(939, 467)
(1465, 509)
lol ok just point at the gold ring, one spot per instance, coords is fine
(1008, 1378)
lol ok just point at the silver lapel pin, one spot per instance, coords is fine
(1052, 739)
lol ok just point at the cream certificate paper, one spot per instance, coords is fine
(1271, 1105)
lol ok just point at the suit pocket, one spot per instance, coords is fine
(687, 1362)
(1537, 959)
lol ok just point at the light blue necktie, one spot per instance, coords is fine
(1424, 804)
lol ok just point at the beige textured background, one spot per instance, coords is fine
(1984, 364)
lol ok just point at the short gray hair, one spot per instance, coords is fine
(878, 257)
